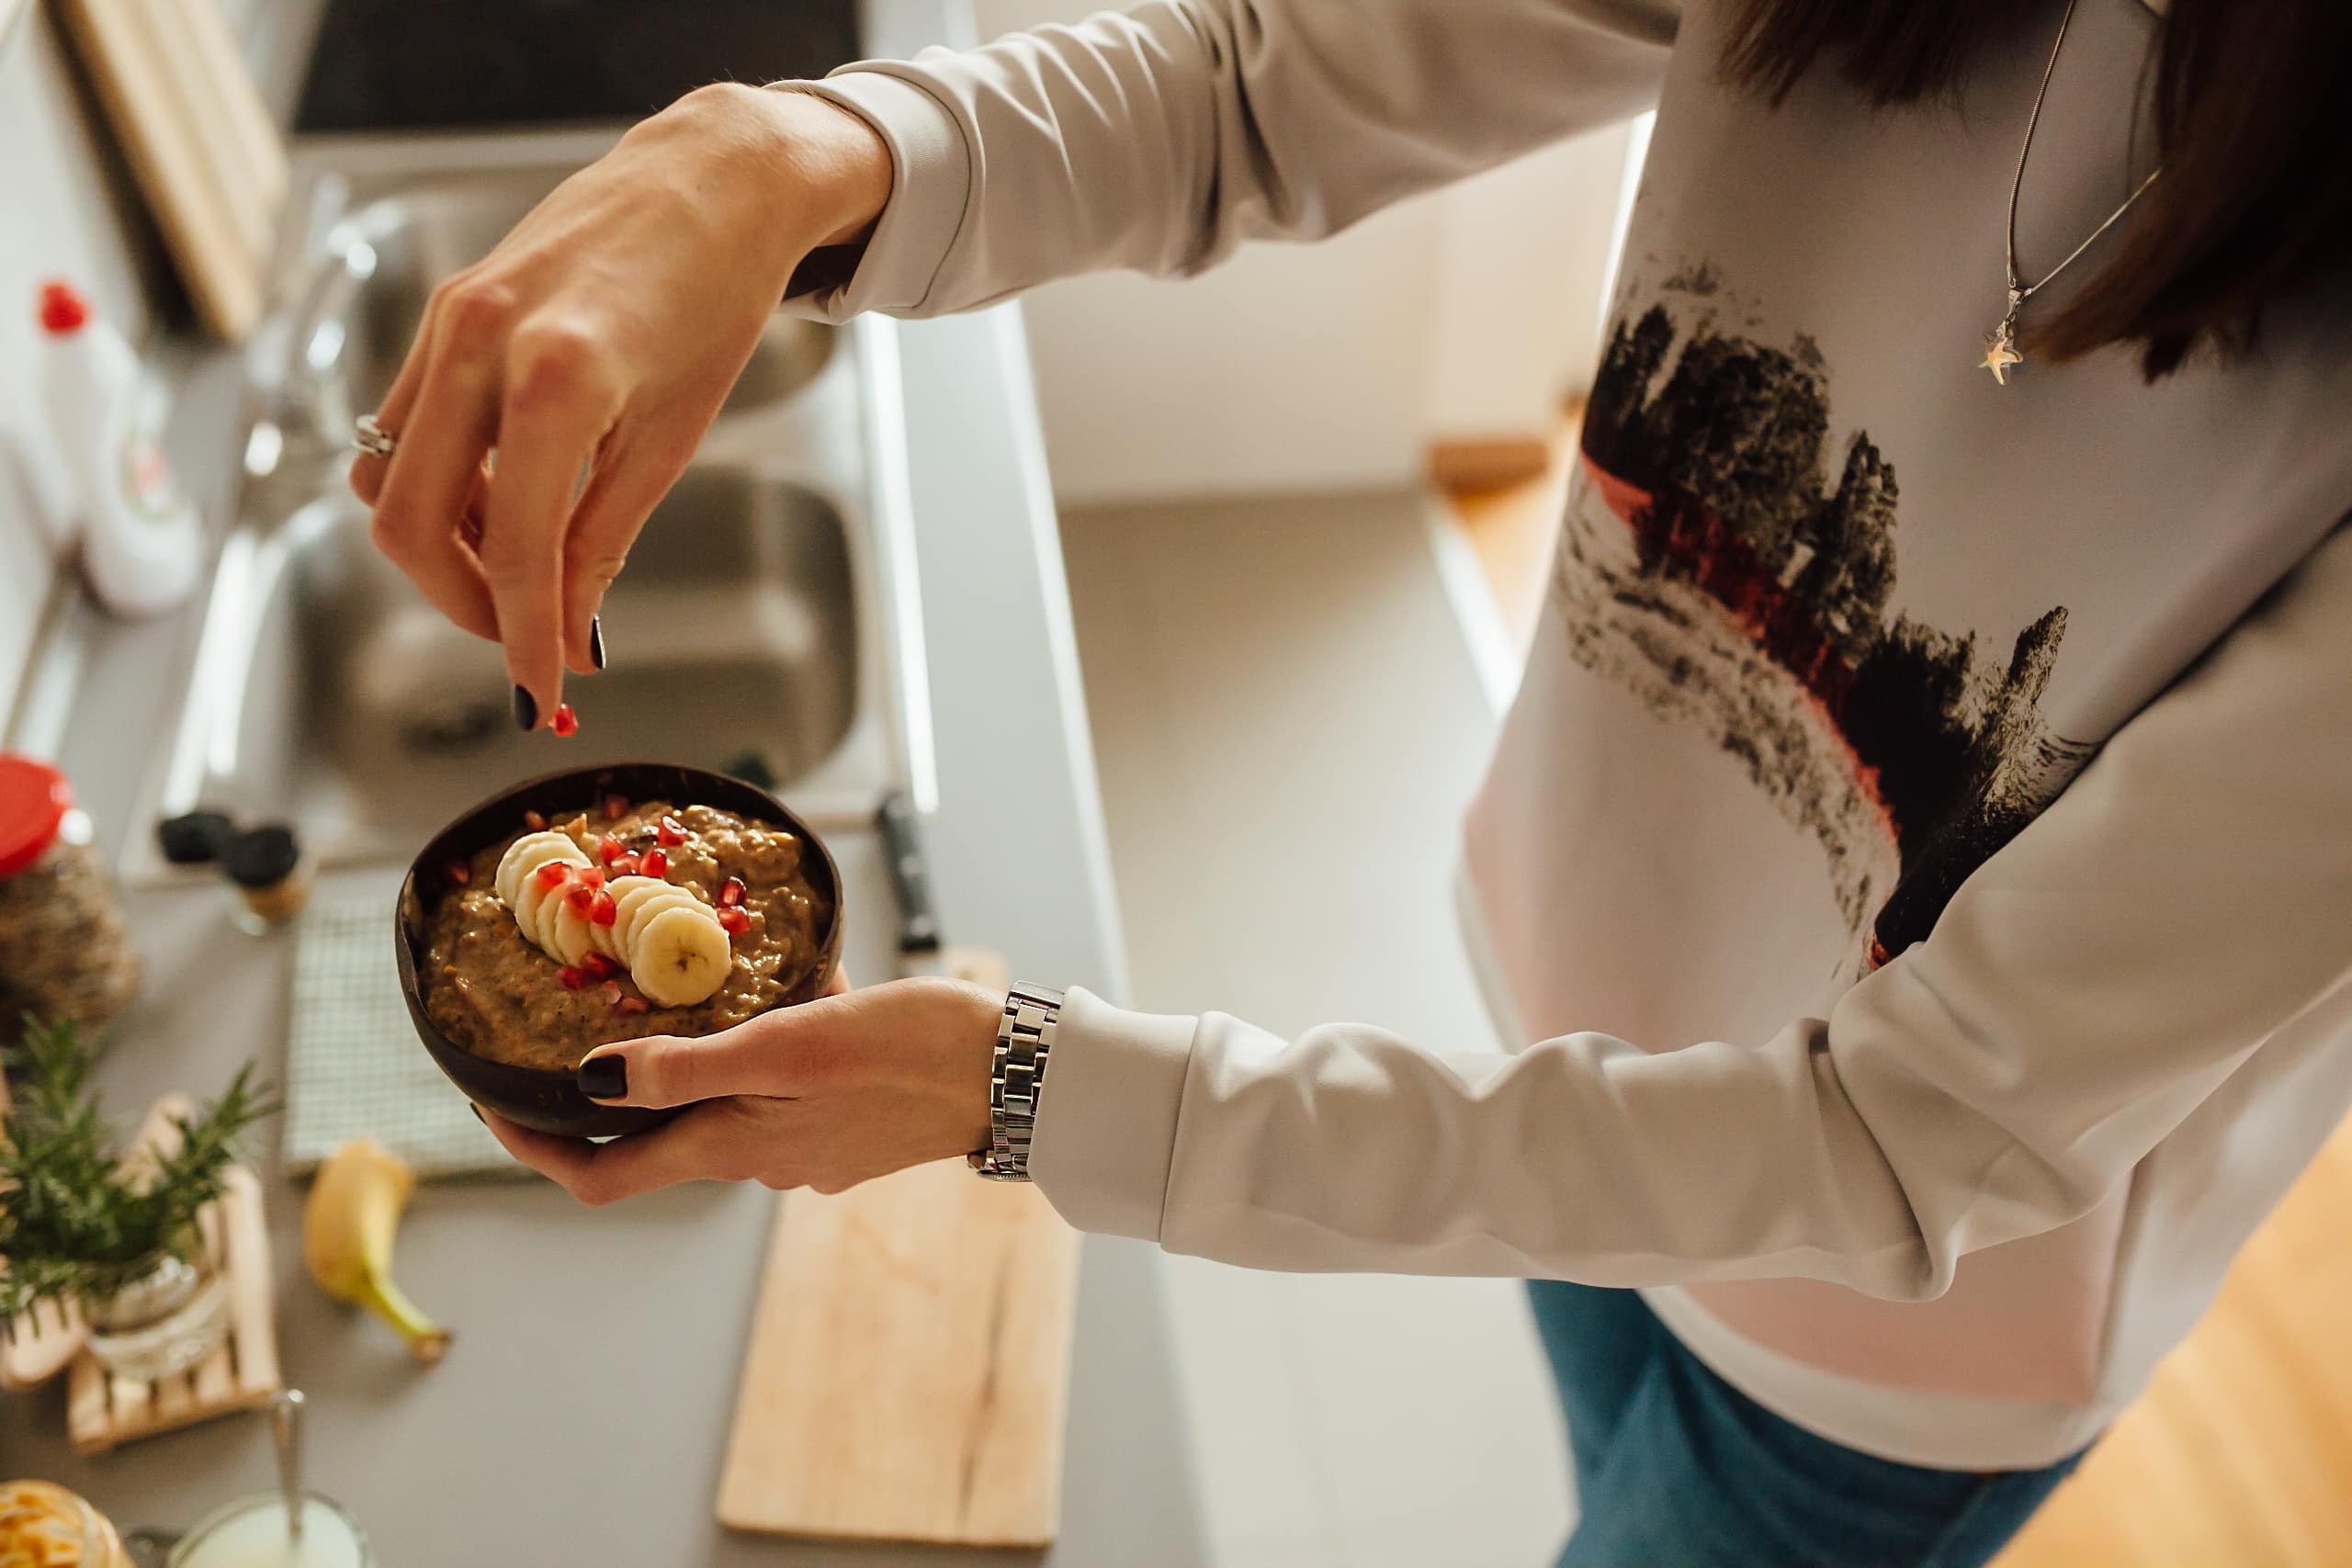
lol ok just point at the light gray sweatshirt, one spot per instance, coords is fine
(1919, 859)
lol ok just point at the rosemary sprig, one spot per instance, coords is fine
(78, 1222)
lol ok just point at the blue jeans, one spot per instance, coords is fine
(1677, 1469)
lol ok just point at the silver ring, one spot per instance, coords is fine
(373, 439)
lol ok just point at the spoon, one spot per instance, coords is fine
(286, 1412)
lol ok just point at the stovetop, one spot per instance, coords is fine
(460, 64)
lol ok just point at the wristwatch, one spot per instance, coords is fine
(1025, 1039)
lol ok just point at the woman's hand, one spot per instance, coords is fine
(591, 349)
(838, 1092)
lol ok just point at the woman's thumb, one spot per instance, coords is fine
(662, 1070)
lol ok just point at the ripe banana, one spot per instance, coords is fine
(347, 1225)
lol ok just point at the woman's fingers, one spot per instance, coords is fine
(449, 426)
(560, 397)
(555, 1158)
(368, 470)
(703, 1144)
(623, 492)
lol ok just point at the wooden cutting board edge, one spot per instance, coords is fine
(199, 215)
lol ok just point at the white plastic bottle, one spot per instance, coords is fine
(142, 537)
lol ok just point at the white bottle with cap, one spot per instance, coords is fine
(142, 537)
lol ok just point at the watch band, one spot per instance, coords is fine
(1025, 1042)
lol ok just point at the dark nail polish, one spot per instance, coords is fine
(597, 641)
(603, 1077)
(526, 710)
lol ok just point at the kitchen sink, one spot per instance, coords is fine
(759, 629)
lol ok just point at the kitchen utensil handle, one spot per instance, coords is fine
(286, 1418)
(903, 846)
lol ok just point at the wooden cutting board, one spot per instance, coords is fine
(199, 139)
(908, 1366)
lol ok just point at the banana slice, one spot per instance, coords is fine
(608, 938)
(639, 906)
(574, 935)
(529, 852)
(652, 909)
(510, 865)
(530, 906)
(682, 956)
(551, 909)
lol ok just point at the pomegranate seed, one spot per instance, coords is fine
(573, 979)
(590, 876)
(615, 807)
(613, 992)
(604, 910)
(654, 862)
(535, 821)
(600, 966)
(632, 1007)
(551, 875)
(565, 722)
(459, 872)
(735, 920)
(609, 849)
(730, 892)
(582, 898)
(670, 833)
(625, 866)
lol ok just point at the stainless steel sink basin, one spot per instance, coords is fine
(733, 647)
(757, 629)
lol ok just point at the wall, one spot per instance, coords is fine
(1287, 369)
(1523, 272)
(1464, 312)
(62, 214)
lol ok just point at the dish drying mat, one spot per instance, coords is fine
(354, 1068)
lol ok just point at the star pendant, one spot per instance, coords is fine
(1999, 355)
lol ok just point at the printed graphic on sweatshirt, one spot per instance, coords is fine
(1724, 564)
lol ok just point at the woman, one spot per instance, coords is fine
(1918, 848)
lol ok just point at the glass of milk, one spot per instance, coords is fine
(253, 1532)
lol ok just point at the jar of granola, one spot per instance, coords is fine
(64, 949)
(44, 1526)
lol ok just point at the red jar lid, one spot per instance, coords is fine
(34, 799)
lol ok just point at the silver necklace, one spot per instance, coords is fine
(2001, 346)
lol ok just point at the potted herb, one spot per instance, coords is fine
(82, 1225)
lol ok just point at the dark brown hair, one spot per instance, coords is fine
(2249, 111)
